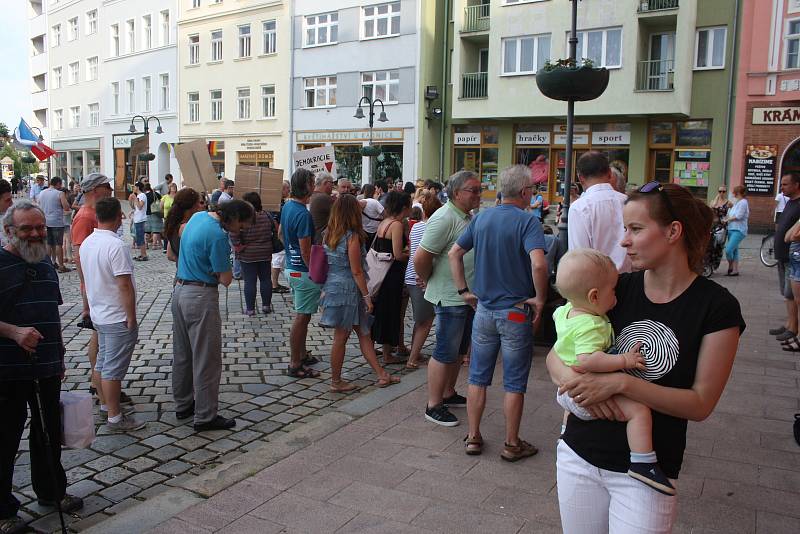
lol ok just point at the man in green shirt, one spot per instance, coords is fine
(454, 324)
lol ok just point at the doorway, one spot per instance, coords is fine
(556, 188)
(791, 159)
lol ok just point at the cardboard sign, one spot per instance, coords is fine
(267, 182)
(195, 164)
(316, 160)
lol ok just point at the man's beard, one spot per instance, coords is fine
(30, 251)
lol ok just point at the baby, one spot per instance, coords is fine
(587, 279)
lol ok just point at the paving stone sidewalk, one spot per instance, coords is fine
(122, 470)
(390, 471)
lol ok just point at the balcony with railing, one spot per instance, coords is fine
(474, 85)
(476, 18)
(646, 6)
(657, 75)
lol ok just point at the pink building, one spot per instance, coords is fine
(766, 137)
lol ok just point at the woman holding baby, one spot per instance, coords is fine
(687, 329)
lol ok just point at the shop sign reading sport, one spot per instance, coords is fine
(776, 115)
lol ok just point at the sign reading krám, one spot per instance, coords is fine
(776, 115)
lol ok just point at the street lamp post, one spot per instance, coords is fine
(146, 123)
(563, 224)
(381, 118)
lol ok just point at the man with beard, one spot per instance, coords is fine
(30, 323)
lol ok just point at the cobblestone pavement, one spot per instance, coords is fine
(123, 469)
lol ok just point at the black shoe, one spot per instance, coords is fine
(455, 400)
(653, 476)
(13, 525)
(218, 423)
(787, 335)
(777, 331)
(124, 398)
(185, 414)
(69, 503)
(440, 415)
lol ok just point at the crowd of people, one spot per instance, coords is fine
(628, 288)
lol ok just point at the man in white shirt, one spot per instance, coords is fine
(371, 211)
(139, 203)
(227, 193)
(108, 275)
(595, 219)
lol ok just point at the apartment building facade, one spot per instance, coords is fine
(139, 88)
(234, 60)
(766, 141)
(664, 116)
(39, 65)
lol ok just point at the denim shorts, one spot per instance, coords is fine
(509, 331)
(453, 331)
(115, 344)
(305, 292)
(138, 229)
(794, 262)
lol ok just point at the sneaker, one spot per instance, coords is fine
(128, 424)
(440, 415)
(788, 334)
(13, 525)
(653, 476)
(69, 503)
(266, 309)
(124, 398)
(455, 400)
(126, 410)
(218, 423)
(512, 453)
(777, 331)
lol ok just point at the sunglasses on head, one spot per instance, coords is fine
(657, 187)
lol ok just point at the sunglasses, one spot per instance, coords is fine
(658, 187)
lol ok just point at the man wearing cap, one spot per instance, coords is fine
(94, 187)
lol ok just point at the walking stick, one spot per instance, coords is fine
(46, 436)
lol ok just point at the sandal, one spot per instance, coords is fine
(310, 359)
(412, 365)
(792, 339)
(473, 446)
(387, 380)
(280, 289)
(405, 353)
(341, 386)
(389, 360)
(63, 269)
(302, 372)
(512, 453)
(791, 346)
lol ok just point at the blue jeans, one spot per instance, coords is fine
(138, 229)
(254, 273)
(732, 247)
(509, 331)
(453, 330)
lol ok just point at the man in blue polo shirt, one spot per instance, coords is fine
(203, 264)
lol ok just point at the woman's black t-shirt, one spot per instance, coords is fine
(671, 335)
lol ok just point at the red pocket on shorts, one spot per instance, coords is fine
(516, 317)
(295, 274)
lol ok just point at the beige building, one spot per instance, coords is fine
(233, 82)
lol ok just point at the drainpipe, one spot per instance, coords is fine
(290, 163)
(731, 100)
(445, 55)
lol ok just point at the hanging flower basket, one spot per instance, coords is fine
(28, 159)
(565, 80)
(370, 150)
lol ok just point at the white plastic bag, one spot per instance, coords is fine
(77, 419)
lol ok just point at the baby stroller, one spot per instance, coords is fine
(715, 249)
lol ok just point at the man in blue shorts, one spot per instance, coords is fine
(509, 293)
(297, 228)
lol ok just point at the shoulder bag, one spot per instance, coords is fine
(277, 244)
(378, 264)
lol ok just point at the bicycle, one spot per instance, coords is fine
(767, 251)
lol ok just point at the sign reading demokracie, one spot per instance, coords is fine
(316, 160)
(759, 168)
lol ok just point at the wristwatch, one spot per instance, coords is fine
(462, 291)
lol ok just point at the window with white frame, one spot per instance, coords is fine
(382, 85)
(130, 28)
(267, 101)
(164, 78)
(115, 97)
(114, 40)
(270, 37)
(75, 117)
(194, 106)
(710, 48)
(602, 47)
(525, 55)
(73, 73)
(382, 20)
(216, 105)
(320, 92)
(92, 64)
(195, 3)
(72, 29)
(147, 93)
(243, 103)
(58, 119)
(216, 45)
(792, 44)
(91, 22)
(94, 114)
(244, 40)
(131, 89)
(194, 49)
(56, 78)
(147, 32)
(321, 29)
(165, 27)
(55, 34)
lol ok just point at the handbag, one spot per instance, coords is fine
(318, 264)
(378, 264)
(77, 419)
(277, 244)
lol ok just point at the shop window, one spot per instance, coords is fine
(479, 158)
(389, 163)
(76, 164)
(60, 164)
(537, 159)
(694, 133)
(662, 133)
(92, 161)
(348, 161)
(680, 153)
